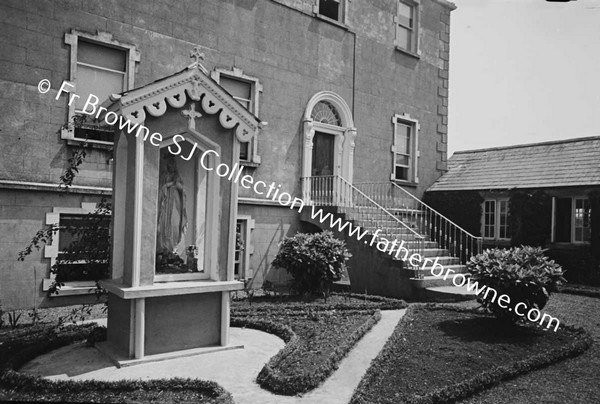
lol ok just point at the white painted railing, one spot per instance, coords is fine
(360, 208)
(429, 222)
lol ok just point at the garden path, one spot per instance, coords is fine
(235, 370)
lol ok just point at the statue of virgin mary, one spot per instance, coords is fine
(172, 216)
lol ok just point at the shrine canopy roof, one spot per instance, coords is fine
(192, 83)
(565, 163)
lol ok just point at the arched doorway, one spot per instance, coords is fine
(328, 135)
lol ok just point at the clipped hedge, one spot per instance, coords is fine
(581, 291)
(15, 352)
(301, 308)
(368, 302)
(482, 381)
(272, 378)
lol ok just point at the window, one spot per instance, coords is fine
(332, 9)
(406, 20)
(582, 220)
(246, 91)
(78, 268)
(495, 219)
(100, 66)
(243, 247)
(404, 149)
(571, 220)
(83, 247)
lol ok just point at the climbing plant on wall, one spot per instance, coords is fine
(594, 197)
(530, 217)
(462, 207)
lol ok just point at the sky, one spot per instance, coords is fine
(523, 71)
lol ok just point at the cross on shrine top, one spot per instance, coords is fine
(196, 54)
(191, 115)
(196, 57)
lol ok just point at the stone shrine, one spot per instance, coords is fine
(174, 217)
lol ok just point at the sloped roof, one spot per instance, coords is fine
(572, 162)
(190, 84)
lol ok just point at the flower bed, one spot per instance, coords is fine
(318, 335)
(440, 354)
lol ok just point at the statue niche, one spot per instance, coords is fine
(172, 225)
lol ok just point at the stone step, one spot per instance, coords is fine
(431, 253)
(434, 252)
(449, 294)
(432, 281)
(394, 232)
(444, 260)
(457, 268)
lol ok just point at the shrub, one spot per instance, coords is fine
(315, 261)
(523, 273)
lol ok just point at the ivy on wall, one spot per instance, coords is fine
(530, 217)
(594, 197)
(462, 207)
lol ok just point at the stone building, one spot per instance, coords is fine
(352, 90)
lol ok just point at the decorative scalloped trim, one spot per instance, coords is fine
(197, 87)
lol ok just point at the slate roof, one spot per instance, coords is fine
(572, 162)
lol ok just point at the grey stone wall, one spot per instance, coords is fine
(293, 53)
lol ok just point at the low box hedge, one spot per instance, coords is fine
(284, 379)
(374, 388)
(15, 352)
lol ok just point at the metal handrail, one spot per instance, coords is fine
(458, 241)
(333, 190)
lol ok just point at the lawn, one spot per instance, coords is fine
(437, 354)
(574, 380)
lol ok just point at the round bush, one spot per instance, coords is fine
(315, 261)
(523, 273)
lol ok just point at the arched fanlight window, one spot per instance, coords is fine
(325, 112)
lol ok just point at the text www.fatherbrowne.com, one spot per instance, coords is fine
(272, 191)
(398, 250)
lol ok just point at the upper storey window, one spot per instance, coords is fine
(332, 9)
(407, 25)
(100, 67)
(245, 90)
(405, 150)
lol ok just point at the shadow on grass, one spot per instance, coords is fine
(489, 330)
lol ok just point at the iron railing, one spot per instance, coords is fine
(361, 210)
(429, 222)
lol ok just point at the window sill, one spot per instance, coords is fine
(96, 144)
(70, 288)
(573, 244)
(402, 183)
(409, 53)
(68, 135)
(249, 164)
(332, 21)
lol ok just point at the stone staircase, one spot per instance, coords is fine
(424, 282)
(391, 213)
